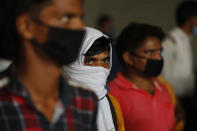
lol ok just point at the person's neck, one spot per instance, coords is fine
(40, 80)
(135, 77)
(139, 80)
(186, 28)
(41, 77)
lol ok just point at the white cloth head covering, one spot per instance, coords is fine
(93, 77)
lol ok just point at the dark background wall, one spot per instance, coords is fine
(156, 12)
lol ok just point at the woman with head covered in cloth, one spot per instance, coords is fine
(92, 69)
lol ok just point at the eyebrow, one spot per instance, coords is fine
(161, 49)
(91, 58)
(108, 57)
(71, 15)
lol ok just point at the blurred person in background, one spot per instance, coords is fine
(145, 102)
(105, 23)
(178, 67)
(40, 36)
(91, 69)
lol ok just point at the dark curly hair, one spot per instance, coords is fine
(133, 36)
(184, 11)
(100, 45)
(9, 11)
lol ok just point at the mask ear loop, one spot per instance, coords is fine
(134, 54)
(36, 20)
(40, 22)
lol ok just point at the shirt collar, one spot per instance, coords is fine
(121, 80)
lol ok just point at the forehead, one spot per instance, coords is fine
(101, 55)
(63, 6)
(150, 43)
(67, 5)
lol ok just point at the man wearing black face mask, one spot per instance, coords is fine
(39, 37)
(145, 102)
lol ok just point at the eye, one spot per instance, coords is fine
(89, 62)
(65, 19)
(106, 60)
(149, 52)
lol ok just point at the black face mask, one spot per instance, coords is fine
(153, 67)
(63, 45)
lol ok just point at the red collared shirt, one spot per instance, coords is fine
(142, 111)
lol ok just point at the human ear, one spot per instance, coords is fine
(24, 26)
(127, 58)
